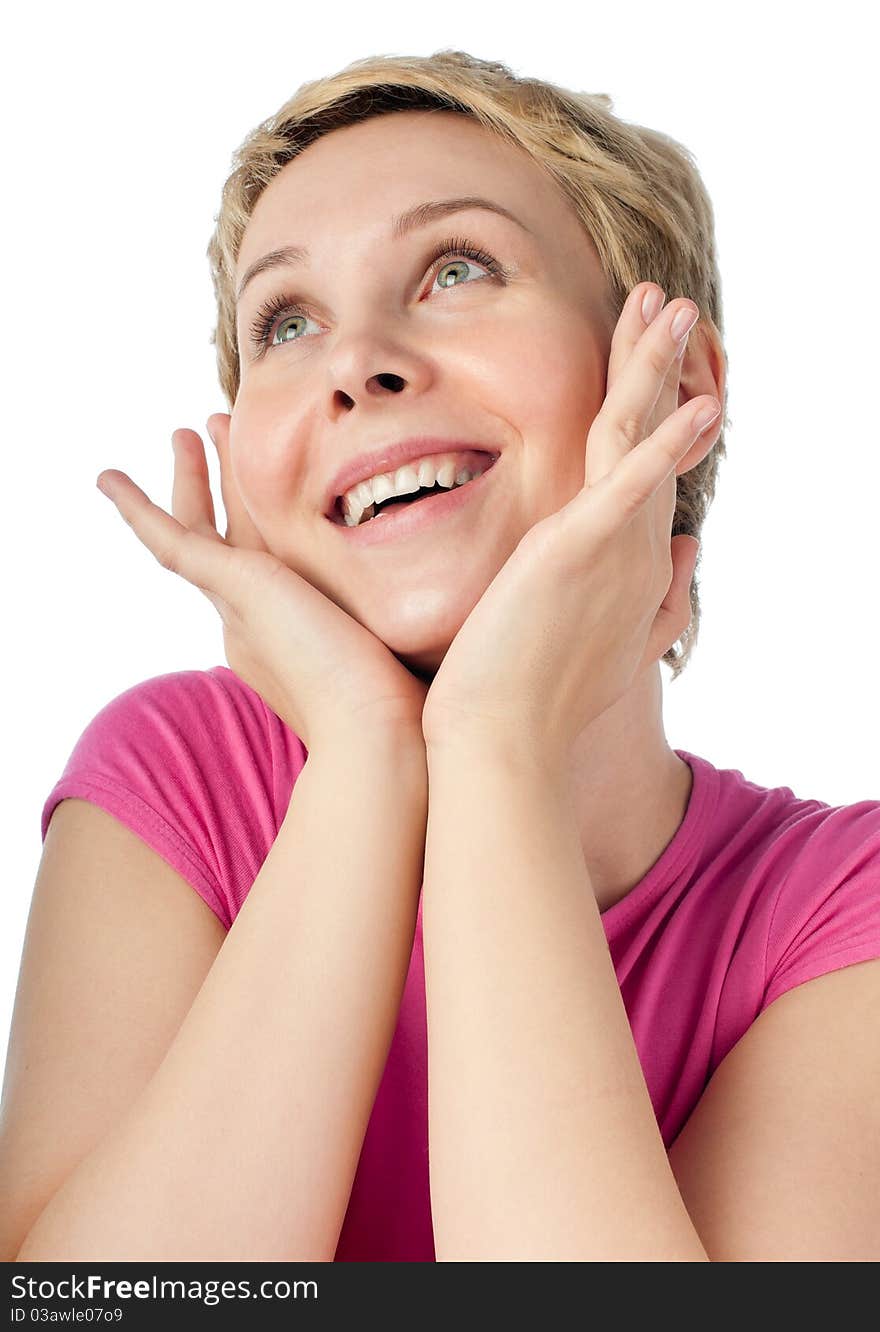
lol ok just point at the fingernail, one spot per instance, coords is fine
(683, 322)
(705, 416)
(102, 486)
(652, 303)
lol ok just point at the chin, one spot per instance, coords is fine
(423, 666)
(419, 629)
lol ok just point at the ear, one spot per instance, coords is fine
(703, 370)
(240, 528)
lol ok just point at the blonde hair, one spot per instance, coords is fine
(637, 193)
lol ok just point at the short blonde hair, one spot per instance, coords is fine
(637, 193)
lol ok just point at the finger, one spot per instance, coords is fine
(628, 487)
(641, 308)
(653, 363)
(667, 399)
(240, 528)
(197, 558)
(635, 317)
(192, 503)
(626, 414)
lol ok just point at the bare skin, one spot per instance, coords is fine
(342, 640)
(520, 362)
(521, 365)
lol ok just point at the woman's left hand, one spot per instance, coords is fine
(597, 592)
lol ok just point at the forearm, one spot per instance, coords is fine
(543, 1140)
(244, 1144)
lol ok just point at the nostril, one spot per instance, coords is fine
(391, 381)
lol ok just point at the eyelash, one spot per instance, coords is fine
(456, 247)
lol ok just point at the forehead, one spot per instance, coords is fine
(354, 179)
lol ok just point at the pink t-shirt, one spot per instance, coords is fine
(758, 891)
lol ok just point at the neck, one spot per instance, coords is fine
(630, 789)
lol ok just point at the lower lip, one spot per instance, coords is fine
(410, 519)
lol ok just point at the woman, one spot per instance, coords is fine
(494, 914)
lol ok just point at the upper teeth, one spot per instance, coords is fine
(439, 469)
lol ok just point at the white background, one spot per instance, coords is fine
(118, 130)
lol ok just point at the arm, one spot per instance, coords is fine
(543, 1140)
(244, 1144)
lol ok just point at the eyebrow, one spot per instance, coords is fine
(419, 216)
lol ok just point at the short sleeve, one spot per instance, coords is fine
(187, 761)
(827, 913)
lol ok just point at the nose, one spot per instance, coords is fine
(376, 386)
(374, 358)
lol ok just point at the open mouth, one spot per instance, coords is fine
(377, 508)
(402, 514)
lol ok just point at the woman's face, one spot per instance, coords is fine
(385, 346)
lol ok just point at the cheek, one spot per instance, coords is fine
(549, 364)
(259, 440)
(555, 385)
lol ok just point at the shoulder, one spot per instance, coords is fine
(793, 886)
(196, 764)
(192, 718)
(826, 906)
(780, 1159)
(203, 702)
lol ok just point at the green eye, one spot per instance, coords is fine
(280, 326)
(273, 316)
(460, 264)
(271, 319)
(455, 268)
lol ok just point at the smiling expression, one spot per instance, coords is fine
(389, 338)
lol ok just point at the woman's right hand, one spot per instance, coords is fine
(314, 665)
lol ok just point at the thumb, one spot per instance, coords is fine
(217, 426)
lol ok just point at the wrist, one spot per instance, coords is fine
(388, 749)
(512, 749)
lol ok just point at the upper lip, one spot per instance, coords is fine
(392, 456)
